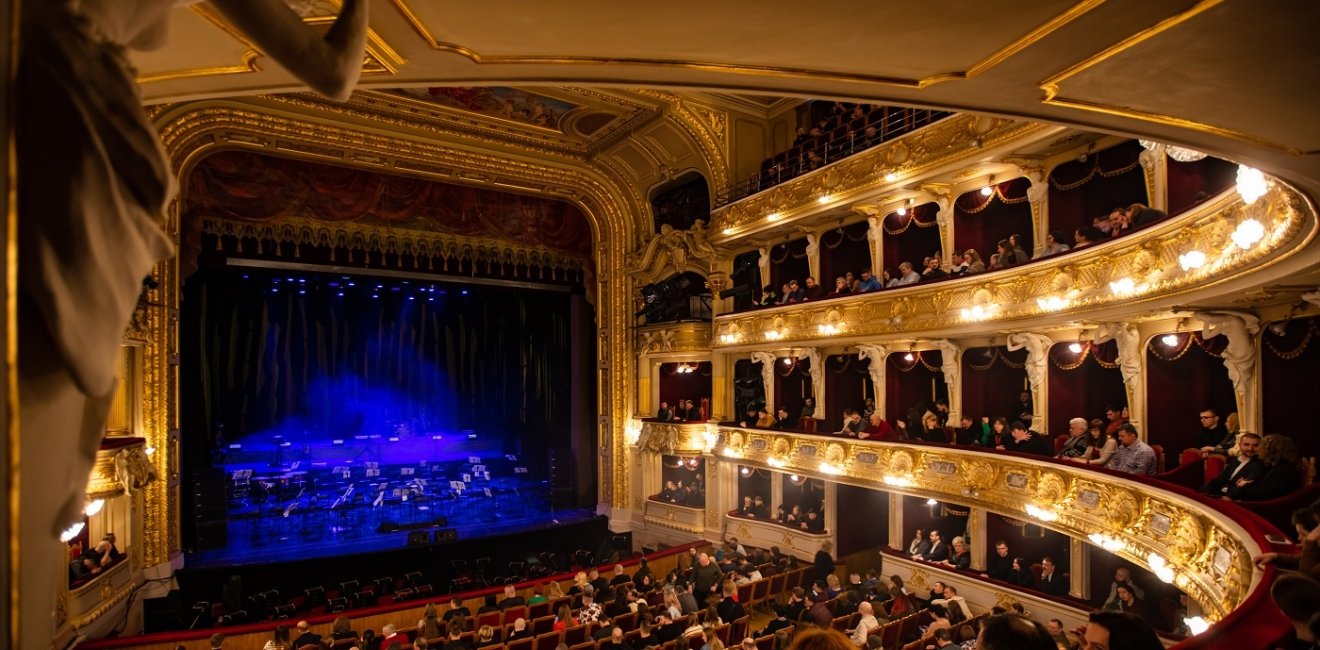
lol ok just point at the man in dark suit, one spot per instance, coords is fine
(305, 636)
(939, 551)
(1245, 466)
(1026, 441)
(1051, 581)
(511, 598)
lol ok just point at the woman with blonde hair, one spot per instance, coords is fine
(554, 590)
(485, 637)
(832, 586)
(579, 582)
(974, 262)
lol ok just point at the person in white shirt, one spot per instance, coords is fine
(864, 625)
(951, 599)
(906, 275)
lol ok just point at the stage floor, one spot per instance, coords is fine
(286, 501)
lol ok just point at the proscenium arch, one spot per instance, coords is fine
(190, 132)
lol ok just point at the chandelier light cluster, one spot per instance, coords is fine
(1251, 184)
(1108, 542)
(979, 312)
(1041, 514)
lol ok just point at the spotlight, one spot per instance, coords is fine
(1075, 347)
(891, 177)
(745, 471)
(909, 357)
(1170, 340)
(986, 191)
(1191, 260)
(1248, 233)
(824, 198)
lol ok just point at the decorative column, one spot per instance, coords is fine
(721, 398)
(1038, 353)
(1039, 197)
(817, 381)
(896, 532)
(877, 354)
(767, 361)
(875, 233)
(1130, 353)
(776, 490)
(1079, 567)
(1155, 166)
(813, 256)
(944, 218)
(718, 281)
(1240, 328)
(648, 391)
(721, 491)
(951, 366)
(976, 537)
(831, 513)
(763, 262)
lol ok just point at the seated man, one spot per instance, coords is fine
(782, 421)
(1026, 441)
(878, 429)
(1245, 466)
(1078, 442)
(906, 275)
(1214, 437)
(869, 282)
(865, 624)
(1051, 581)
(1132, 456)
(852, 424)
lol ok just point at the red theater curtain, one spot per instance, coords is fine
(980, 222)
(792, 383)
(842, 250)
(913, 384)
(993, 378)
(1082, 384)
(675, 385)
(847, 385)
(1181, 380)
(788, 261)
(1081, 191)
(910, 238)
(1193, 182)
(1290, 367)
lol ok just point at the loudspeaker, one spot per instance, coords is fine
(446, 535)
(419, 538)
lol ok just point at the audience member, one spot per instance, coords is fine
(906, 275)
(1214, 434)
(1110, 630)
(1282, 474)
(1298, 598)
(869, 283)
(306, 636)
(1012, 632)
(999, 563)
(1026, 441)
(1133, 456)
(1078, 443)
(1053, 245)
(1050, 581)
(1246, 466)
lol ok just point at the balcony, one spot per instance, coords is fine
(1206, 544)
(1144, 269)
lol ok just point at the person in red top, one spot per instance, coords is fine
(1116, 419)
(878, 429)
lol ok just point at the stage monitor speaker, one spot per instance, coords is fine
(419, 538)
(622, 542)
(446, 535)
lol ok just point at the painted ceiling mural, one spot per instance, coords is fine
(498, 101)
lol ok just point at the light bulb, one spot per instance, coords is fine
(1191, 260)
(1170, 340)
(1248, 233)
(987, 191)
(902, 212)
(1075, 347)
(71, 532)
(1250, 184)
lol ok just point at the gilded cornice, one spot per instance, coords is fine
(673, 439)
(1082, 280)
(859, 176)
(706, 126)
(673, 338)
(1209, 552)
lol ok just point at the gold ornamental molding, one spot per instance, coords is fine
(679, 339)
(1210, 554)
(673, 439)
(1142, 269)
(672, 515)
(1033, 36)
(1054, 94)
(874, 170)
(439, 249)
(379, 59)
(191, 131)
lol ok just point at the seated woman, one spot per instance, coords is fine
(931, 431)
(961, 558)
(1020, 573)
(768, 296)
(485, 637)
(974, 262)
(1053, 245)
(1283, 473)
(1102, 446)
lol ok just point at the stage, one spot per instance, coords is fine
(274, 499)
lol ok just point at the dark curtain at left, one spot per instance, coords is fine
(1182, 379)
(847, 385)
(1083, 384)
(327, 356)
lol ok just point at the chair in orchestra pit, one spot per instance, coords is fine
(516, 570)
(413, 578)
(336, 605)
(481, 571)
(315, 596)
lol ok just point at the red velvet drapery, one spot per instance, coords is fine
(910, 238)
(912, 383)
(1081, 191)
(980, 222)
(843, 251)
(788, 261)
(950, 519)
(1191, 183)
(992, 380)
(847, 385)
(675, 385)
(1180, 381)
(1290, 380)
(1083, 384)
(792, 383)
(247, 186)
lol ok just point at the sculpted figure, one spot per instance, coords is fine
(94, 185)
(1038, 347)
(877, 354)
(1129, 350)
(1240, 355)
(817, 370)
(767, 361)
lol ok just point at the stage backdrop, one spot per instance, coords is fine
(311, 356)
